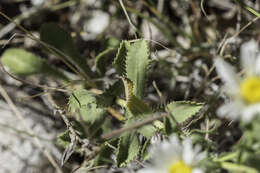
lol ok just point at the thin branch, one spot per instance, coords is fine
(53, 50)
(29, 83)
(127, 17)
(236, 34)
(132, 127)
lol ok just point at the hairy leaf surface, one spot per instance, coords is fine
(137, 61)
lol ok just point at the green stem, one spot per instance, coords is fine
(237, 168)
(227, 157)
(251, 10)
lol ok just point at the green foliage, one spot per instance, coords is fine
(105, 153)
(119, 61)
(86, 103)
(147, 131)
(120, 129)
(169, 126)
(136, 111)
(64, 139)
(135, 106)
(184, 110)
(128, 148)
(108, 97)
(101, 61)
(22, 62)
(137, 61)
(133, 60)
(145, 150)
(60, 39)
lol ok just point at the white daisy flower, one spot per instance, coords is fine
(174, 157)
(244, 91)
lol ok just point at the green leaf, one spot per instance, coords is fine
(86, 103)
(169, 126)
(138, 108)
(128, 148)
(237, 168)
(137, 61)
(119, 61)
(184, 110)
(148, 131)
(91, 113)
(135, 106)
(108, 97)
(57, 37)
(22, 62)
(64, 139)
(101, 61)
(112, 42)
(104, 155)
(145, 150)
(80, 98)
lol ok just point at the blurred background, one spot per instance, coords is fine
(184, 36)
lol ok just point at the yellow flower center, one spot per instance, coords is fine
(180, 167)
(250, 89)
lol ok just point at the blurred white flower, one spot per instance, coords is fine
(37, 2)
(244, 91)
(174, 157)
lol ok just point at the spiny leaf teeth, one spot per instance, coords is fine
(135, 105)
(119, 61)
(128, 84)
(137, 61)
(184, 110)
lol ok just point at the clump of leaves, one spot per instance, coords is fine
(92, 109)
(132, 64)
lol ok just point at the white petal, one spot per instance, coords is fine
(248, 52)
(166, 152)
(196, 170)
(250, 112)
(227, 74)
(151, 170)
(257, 64)
(174, 140)
(175, 145)
(231, 110)
(199, 155)
(188, 154)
